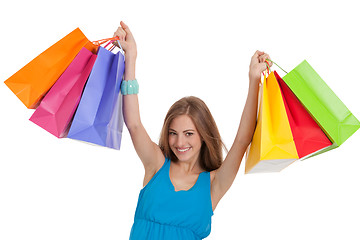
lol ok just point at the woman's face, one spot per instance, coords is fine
(184, 139)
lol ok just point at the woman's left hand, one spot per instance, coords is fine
(258, 65)
(127, 41)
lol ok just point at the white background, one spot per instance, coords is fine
(63, 189)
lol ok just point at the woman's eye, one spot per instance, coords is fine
(172, 133)
(189, 134)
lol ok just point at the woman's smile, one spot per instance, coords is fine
(183, 150)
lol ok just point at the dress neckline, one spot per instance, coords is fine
(172, 185)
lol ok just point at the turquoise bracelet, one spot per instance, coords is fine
(129, 87)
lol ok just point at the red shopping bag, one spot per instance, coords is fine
(308, 136)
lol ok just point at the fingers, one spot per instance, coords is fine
(263, 66)
(126, 40)
(262, 57)
(257, 54)
(124, 44)
(125, 27)
(120, 33)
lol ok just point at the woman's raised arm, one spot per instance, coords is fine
(223, 177)
(148, 151)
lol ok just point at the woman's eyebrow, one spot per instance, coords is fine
(189, 130)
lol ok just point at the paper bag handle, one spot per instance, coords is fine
(276, 65)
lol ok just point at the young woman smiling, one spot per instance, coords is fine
(185, 174)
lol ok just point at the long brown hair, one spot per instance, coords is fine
(211, 155)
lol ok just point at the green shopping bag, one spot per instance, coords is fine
(326, 108)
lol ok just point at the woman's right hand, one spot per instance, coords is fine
(127, 41)
(257, 66)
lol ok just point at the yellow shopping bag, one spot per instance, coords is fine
(272, 147)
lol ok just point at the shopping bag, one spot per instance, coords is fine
(326, 108)
(33, 81)
(285, 131)
(98, 118)
(272, 147)
(58, 106)
(308, 136)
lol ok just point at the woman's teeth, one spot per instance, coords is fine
(183, 149)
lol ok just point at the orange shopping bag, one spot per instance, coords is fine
(34, 80)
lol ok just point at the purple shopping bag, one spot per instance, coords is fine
(98, 118)
(58, 106)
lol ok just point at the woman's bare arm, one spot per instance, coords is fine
(148, 151)
(223, 177)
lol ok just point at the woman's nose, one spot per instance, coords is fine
(180, 140)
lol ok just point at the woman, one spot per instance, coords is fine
(185, 177)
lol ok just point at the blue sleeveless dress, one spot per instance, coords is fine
(163, 213)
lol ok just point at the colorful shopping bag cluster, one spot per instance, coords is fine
(75, 87)
(299, 116)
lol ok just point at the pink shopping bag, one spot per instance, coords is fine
(57, 109)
